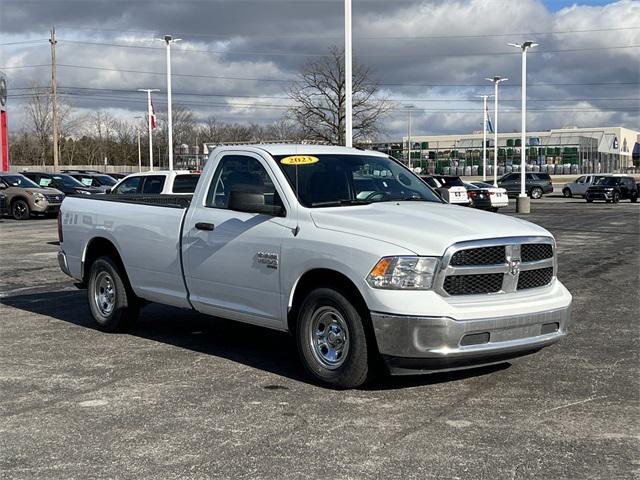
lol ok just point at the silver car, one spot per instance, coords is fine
(580, 186)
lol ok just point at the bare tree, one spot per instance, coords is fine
(283, 129)
(38, 114)
(319, 94)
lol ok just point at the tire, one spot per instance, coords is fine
(567, 193)
(589, 199)
(616, 197)
(20, 210)
(536, 193)
(634, 198)
(112, 303)
(332, 342)
(494, 209)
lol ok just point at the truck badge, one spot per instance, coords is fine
(514, 267)
(268, 259)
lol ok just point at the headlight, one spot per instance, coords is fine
(38, 197)
(403, 273)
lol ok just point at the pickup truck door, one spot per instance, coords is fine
(232, 259)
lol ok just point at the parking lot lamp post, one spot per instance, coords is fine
(149, 120)
(496, 81)
(168, 39)
(484, 135)
(348, 80)
(522, 205)
(409, 108)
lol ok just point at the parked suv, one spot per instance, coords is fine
(61, 181)
(536, 184)
(580, 186)
(26, 197)
(613, 189)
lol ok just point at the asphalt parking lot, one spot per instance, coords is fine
(186, 396)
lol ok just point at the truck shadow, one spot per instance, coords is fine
(249, 345)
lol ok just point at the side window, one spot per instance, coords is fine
(153, 184)
(130, 185)
(240, 173)
(581, 180)
(530, 176)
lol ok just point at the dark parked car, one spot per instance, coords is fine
(61, 181)
(613, 189)
(97, 180)
(536, 184)
(118, 176)
(480, 197)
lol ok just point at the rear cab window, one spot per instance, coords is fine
(153, 184)
(185, 183)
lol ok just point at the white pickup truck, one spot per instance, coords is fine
(346, 249)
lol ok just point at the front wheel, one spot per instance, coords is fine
(112, 302)
(616, 197)
(536, 193)
(634, 199)
(567, 192)
(20, 210)
(332, 341)
(588, 199)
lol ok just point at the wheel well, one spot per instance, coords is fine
(15, 199)
(325, 278)
(100, 247)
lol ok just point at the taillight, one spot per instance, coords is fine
(60, 226)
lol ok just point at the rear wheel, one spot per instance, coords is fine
(20, 210)
(616, 197)
(567, 192)
(634, 198)
(536, 192)
(332, 341)
(111, 301)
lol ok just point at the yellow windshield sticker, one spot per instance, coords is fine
(299, 160)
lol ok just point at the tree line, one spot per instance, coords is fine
(317, 114)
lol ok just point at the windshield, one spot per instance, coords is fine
(335, 180)
(105, 180)
(608, 181)
(19, 181)
(67, 181)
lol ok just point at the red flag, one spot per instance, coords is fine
(153, 117)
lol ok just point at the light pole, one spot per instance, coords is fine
(139, 150)
(484, 135)
(496, 81)
(168, 39)
(149, 122)
(348, 80)
(409, 108)
(523, 205)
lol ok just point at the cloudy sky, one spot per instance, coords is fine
(236, 57)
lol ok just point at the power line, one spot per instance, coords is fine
(378, 37)
(222, 77)
(231, 95)
(102, 97)
(24, 42)
(309, 54)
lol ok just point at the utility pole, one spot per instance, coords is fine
(484, 135)
(168, 39)
(348, 76)
(523, 204)
(496, 81)
(54, 104)
(149, 113)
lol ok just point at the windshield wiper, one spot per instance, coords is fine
(340, 203)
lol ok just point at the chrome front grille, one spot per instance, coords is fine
(495, 266)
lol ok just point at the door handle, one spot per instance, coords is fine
(205, 226)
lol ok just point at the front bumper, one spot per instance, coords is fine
(412, 344)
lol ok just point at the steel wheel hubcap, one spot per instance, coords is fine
(329, 337)
(104, 294)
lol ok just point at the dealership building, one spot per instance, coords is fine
(570, 150)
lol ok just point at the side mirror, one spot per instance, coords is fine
(251, 202)
(107, 191)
